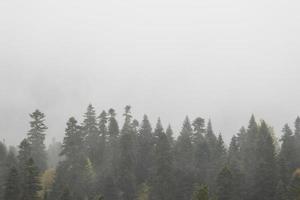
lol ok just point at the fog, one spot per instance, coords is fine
(216, 59)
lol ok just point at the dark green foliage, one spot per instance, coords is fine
(31, 183)
(139, 164)
(234, 165)
(265, 174)
(3, 170)
(36, 138)
(12, 185)
(170, 135)
(225, 185)
(113, 127)
(91, 133)
(145, 151)
(162, 179)
(183, 165)
(199, 130)
(287, 156)
(127, 160)
(72, 146)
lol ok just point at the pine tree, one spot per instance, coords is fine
(91, 133)
(199, 130)
(297, 143)
(162, 181)
(169, 134)
(248, 140)
(213, 158)
(145, 151)
(102, 139)
(201, 150)
(265, 174)
(12, 185)
(211, 140)
(36, 138)
(111, 156)
(73, 142)
(225, 185)
(127, 160)
(23, 157)
(235, 166)
(297, 126)
(287, 156)
(183, 164)
(3, 170)
(31, 184)
(113, 127)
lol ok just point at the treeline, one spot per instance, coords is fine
(101, 160)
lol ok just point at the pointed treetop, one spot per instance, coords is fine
(127, 114)
(287, 131)
(234, 146)
(209, 128)
(186, 128)
(199, 124)
(169, 131)
(252, 123)
(297, 126)
(90, 116)
(145, 128)
(135, 123)
(112, 112)
(103, 115)
(159, 127)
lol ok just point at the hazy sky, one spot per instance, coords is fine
(218, 59)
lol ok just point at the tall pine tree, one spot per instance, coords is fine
(36, 138)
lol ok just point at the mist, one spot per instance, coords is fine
(222, 60)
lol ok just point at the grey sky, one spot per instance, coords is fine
(219, 59)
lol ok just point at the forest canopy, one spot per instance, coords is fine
(101, 158)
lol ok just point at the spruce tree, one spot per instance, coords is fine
(127, 160)
(201, 150)
(162, 180)
(225, 185)
(287, 156)
(111, 156)
(248, 140)
(103, 136)
(183, 164)
(235, 166)
(213, 158)
(31, 184)
(113, 127)
(12, 185)
(36, 138)
(72, 147)
(169, 134)
(265, 174)
(3, 169)
(199, 130)
(91, 133)
(145, 151)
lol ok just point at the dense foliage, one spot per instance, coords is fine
(98, 160)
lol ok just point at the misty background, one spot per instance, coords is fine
(216, 59)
